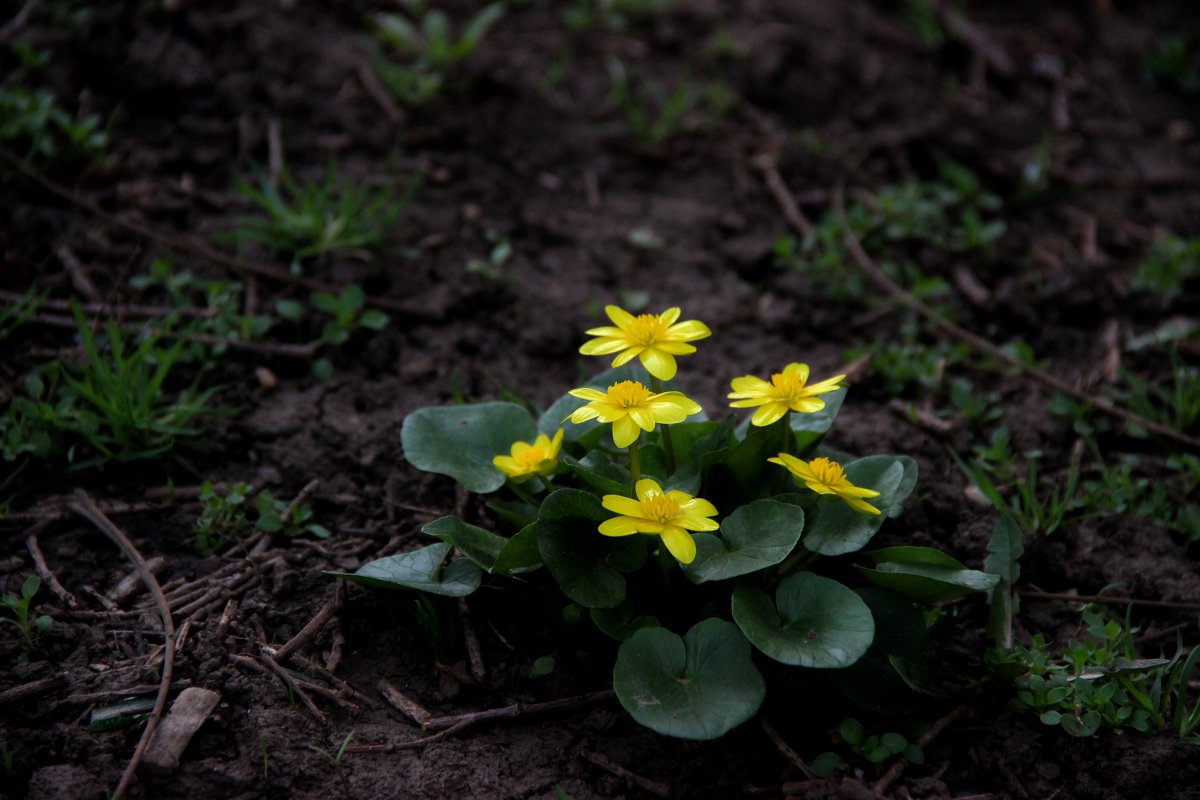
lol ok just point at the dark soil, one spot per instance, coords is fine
(841, 93)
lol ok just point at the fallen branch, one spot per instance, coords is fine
(86, 507)
(928, 736)
(43, 569)
(1108, 600)
(788, 753)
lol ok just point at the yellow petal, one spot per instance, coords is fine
(808, 405)
(695, 523)
(688, 331)
(520, 448)
(796, 466)
(850, 490)
(861, 505)
(588, 394)
(607, 331)
(679, 399)
(620, 526)
(625, 431)
(602, 347)
(827, 385)
(556, 443)
(757, 401)
(619, 504)
(627, 355)
(582, 414)
(819, 488)
(675, 348)
(698, 506)
(659, 364)
(620, 317)
(646, 487)
(748, 386)
(680, 544)
(768, 414)
(668, 317)
(797, 369)
(643, 418)
(507, 464)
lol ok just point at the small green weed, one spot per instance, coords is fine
(349, 314)
(31, 627)
(1030, 505)
(1092, 683)
(875, 748)
(590, 16)
(13, 315)
(1171, 263)
(655, 113)
(266, 757)
(320, 219)
(33, 122)
(337, 758)
(414, 57)
(1175, 62)
(908, 360)
(224, 517)
(8, 760)
(112, 407)
(1176, 405)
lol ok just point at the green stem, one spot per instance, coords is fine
(635, 465)
(788, 439)
(668, 445)
(522, 494)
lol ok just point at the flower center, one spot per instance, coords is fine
(826, 471)
(659, 507)
(645, 330)
(627, 394)
(788, 388)
(532, 457)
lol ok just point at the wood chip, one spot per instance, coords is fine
(189, 711)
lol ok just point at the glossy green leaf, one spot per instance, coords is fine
(696, 687)
(834, 528)
(461, 441)
(479, 545)
(621, 622)
(753, 537)
(814, 622)
(884, 679)
(421, 570)
(520, 553)
(925, 574)
(597, 471)
(587, 565)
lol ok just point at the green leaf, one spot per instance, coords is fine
(421, 570)
(694, 442)
(269, 523)
(740, 471)
(755, 536)
(481, 546)
(851, 731)
(884, 680)
(814, 622)
(587, 565)
(461, 441)
(520, 553)
(30, 586)
(373, 319)
(598, 472)
(834, 528)
(621, 622)
(696, 687)
(518, 514)
(1005, 549)
(824, 765)
(290, 310)
(809, 428)
(925, 574)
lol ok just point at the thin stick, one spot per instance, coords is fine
(266, 666)
(31, 689)
(928, 736)
(519, 710)
(310, 630)
(132, 310)
(43, 569)
(656, 788)
(788, 753)
(14, 25)
(471, 639)
(867, 265)
(86, 507)
(1108, 600)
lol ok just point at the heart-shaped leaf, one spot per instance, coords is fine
(598, 472)
(814, 622)
(925, 574)
(587, 565)
(421, 570)
(696, 687)
(754, 536)
(621, 622)
(461, 441)
(834, 528)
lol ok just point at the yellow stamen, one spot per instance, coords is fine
(645, 329)
(660, 508)
(788, 388)
(627, 394)
(827, 472)
(532, 457)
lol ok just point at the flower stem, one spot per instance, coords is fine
(523, 495)
(788, 439)
(668, 445)
(635, 465)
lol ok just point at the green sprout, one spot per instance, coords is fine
(654, 113)
(336, 758)
(18, 608)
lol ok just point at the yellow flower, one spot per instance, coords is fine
(632, 408)
(827, 477)
(527, 460)
(655, 340)
(786, 392)
(668, 514)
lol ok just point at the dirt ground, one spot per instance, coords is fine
(527, 149)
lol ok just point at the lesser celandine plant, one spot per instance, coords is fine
(748, 522)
